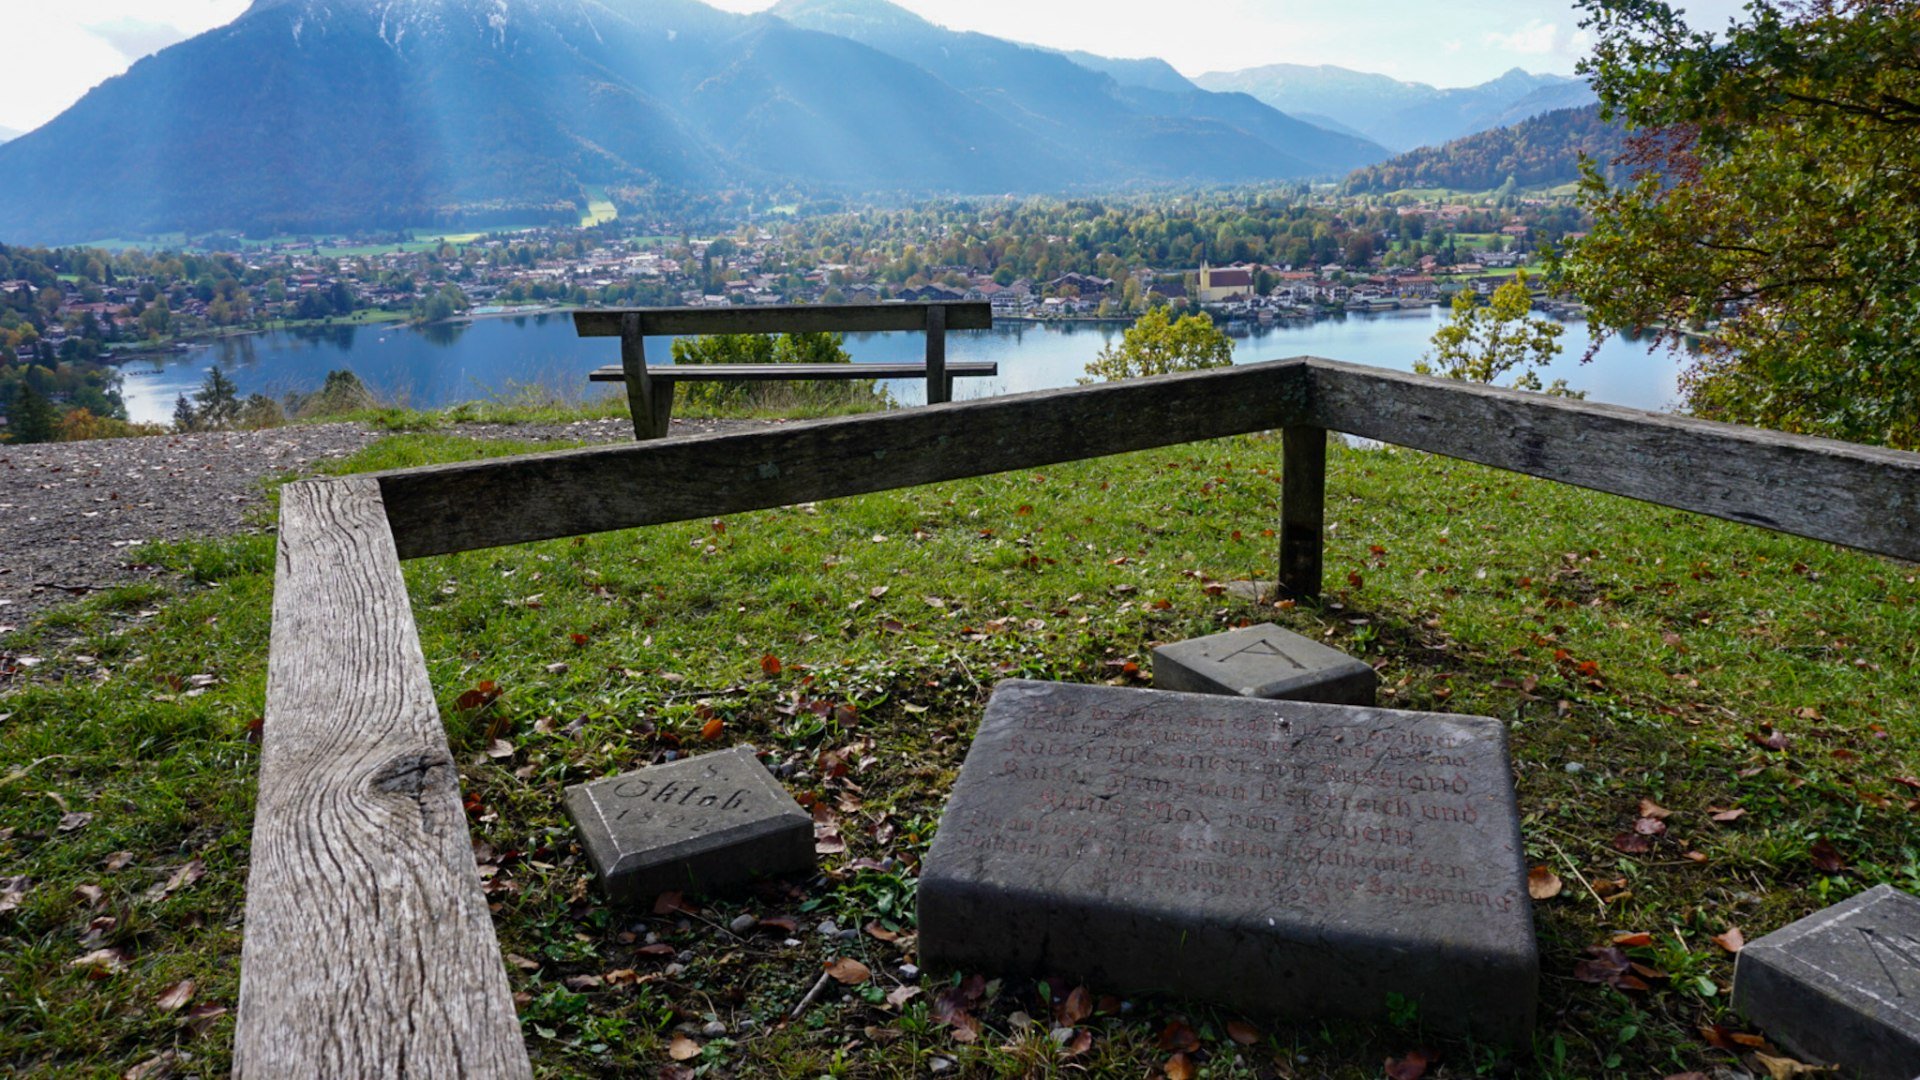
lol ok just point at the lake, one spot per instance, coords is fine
(435, 366)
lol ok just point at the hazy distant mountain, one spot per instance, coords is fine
(306, 115)
(1541, 151)
(1399, 114)
(1099, 110)
(1149, 72)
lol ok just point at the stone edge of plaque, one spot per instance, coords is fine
(1799, 1006)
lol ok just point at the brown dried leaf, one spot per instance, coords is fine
(681, 1048)
(1632, 843)
(1242, 1032)
(668, 902)
(202, 1017)
(175, 996)
(1180, 1067)
(1727, 816)
(1543, 883)
(848, 972)
(1178, 1036)
(1732, 941)
(1648, 826)
(1411, 1067)
(1826, 857)
(102, 962)
(1636, 940)
(1077, 1007)
(1651, 809)
(74, 821)
(900, 995)
(119, 860)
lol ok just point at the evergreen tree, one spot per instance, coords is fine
(32, 418)
(217, 400)
(184, 418)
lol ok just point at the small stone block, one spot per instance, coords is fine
(1281, 858)
(1264, 662)
(1841, 986)
(696, 825)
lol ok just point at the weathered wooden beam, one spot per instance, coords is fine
(1857, 496)
(1303, 496)
(785, 319)
(939, 386)
(369, 950)
(790, 372)
(482, 504)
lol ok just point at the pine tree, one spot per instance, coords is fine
(32, 417)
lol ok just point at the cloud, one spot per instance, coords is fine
(134, 37)
(1534, 39)
(1541, 38)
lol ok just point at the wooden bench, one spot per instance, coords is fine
(650, 386)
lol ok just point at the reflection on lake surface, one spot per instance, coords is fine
(444, 364)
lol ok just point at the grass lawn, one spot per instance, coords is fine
(1760, 691)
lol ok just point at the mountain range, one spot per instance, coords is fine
(1400, 115)
(1538, 152)
(309, 115)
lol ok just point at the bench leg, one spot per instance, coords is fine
(651, 415)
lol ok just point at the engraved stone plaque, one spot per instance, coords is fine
(1284, 858)
(1841, 985)
(1265, 662)
(696, 825)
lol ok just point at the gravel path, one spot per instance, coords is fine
(71, 514)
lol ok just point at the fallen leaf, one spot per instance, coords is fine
(667, 903)
(1632, 843)
(881, 933)
(1180, 1067)
(1411, 1067)
(119, 860)
(74, 821)
(713, 729)
(770, 664)
(1077, 1007)
(13, 890)
(1651, 809)
(1726, 817)
(848, 972)
(175, 996)
(1638, 940)
(900, 995)
(1732, 941)
(1826, 857)
(101, 963)
(157, 1067)
(1543, 883)
(202, 1017)
(1242, 1032)
(1648, 826)
(786, 924)
(1178, 1036)
(681, 1048)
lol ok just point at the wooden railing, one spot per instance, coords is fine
(368, 947)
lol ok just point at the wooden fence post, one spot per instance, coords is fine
(939, 386)
(650, 403)
(1303, 493)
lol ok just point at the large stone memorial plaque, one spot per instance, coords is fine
(1264, 661)
(1284, 858)
(699, 824)
(1841, 985)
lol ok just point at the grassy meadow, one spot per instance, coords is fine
(1714, 729)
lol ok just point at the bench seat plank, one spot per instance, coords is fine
(784, 372)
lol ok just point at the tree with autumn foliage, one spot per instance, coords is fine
(1775, 205)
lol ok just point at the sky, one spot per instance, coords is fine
(64, 48)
